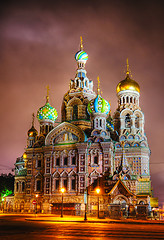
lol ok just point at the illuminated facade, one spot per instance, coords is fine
(87, 149)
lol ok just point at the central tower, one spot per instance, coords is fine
(75, 101)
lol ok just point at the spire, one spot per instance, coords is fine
(98, 87)
(127, 67)
(33, 118)
(81, 43)
(47, 97)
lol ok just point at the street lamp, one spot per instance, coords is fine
(62, 191)
(98, 191)
(36, 203)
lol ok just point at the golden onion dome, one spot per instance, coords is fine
(128, 83)
(32, 132)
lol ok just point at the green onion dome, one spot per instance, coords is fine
(47, 112)
(98, 105)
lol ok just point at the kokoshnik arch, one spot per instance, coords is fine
(89, 148)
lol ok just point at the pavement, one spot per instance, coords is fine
(68, 218)
(50, 218)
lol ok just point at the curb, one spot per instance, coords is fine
(93, 221)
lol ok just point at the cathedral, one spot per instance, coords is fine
(88, 150)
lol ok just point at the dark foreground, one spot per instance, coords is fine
(16, 227)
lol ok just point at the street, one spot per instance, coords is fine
(16, 227)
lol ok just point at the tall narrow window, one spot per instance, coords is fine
(100, 122)
(57, 184)
(73, 160)
(23, 186)
(66, 161)
(17, 186)
(95, 159)
(96, 123)
(95, 183)
(127, 121)
(39, 164)
(75, 112)
(137, 121)
(58, 161)
(73, 184)
(46, 128)
(38, 185)
(65, 183)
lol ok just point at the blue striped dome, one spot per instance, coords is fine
(98, 105)
(81, 55)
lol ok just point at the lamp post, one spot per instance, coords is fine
(97, 191)
(36, 203)
(62, 191)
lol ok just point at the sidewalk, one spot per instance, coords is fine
(49, 218)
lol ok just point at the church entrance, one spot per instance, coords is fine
(118, 209)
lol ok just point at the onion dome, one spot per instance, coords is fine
(81, 55)
(32, 132)
(47, 112)
(98, 104)
(128, 83)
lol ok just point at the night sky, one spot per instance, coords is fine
(38, 40)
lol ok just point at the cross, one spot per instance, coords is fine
(98, 87)
(33, 118)
(81, 43)
(127, 66)
(48, 89)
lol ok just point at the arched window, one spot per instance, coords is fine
(127, 121)
(23, 186)
(137, 121)
(100, 122)
(75, 112)
(96, 123)
(56, 184)
(38, 185)
(46, 128)
(73, 184)
(127, 99)
(95, 159)
(17, 187)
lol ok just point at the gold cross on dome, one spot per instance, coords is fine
(98, 87)
(81, 43)
(48, 90)
(127, 67)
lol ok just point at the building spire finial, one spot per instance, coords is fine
(47, 97)
(98, 87)
(33, 118)
(81, 43)
(127, 67)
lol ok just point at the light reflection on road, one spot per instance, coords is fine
(17, 228)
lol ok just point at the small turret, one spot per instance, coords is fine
(32, 134)
(46, 116)
(98, 109)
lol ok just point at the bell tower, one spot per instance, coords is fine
(128, 115)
